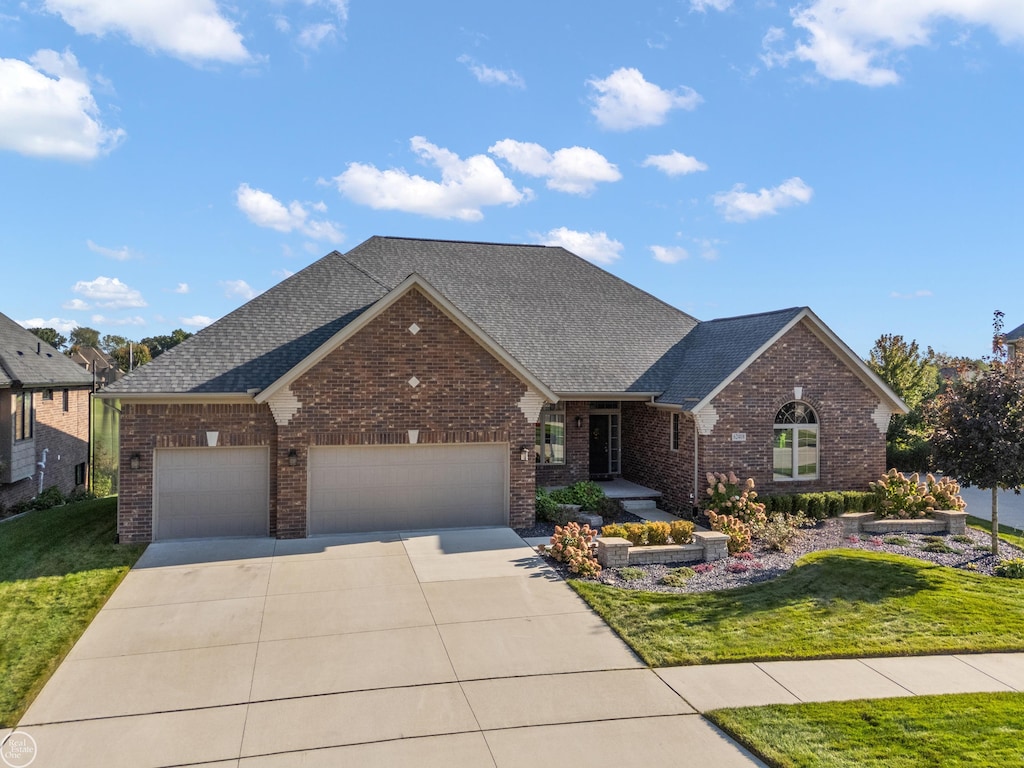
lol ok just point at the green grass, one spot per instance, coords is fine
(835, 603)
(57, 569)
(956, 731)
(1006, 533)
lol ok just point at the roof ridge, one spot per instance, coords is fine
(756, 314)
(463, 242)
(374, 278)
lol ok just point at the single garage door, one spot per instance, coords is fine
(395, 487)
(211, 492)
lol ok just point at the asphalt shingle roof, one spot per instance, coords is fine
(716, 348)
(573, 325)
(28, 362)
(1016, 334)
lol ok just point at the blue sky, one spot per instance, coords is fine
(163, 161)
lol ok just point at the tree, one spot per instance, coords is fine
(979, 424)
(111, 342)
(914, 377)
(83, 336)
(131, 355)
(56, 340)
(160, 344)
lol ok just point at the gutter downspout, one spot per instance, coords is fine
(696, 466)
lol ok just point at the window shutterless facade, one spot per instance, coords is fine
(795, 443)
(550, 442)
(674, 429)
(24, 416)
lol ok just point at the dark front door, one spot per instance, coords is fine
(600, 432)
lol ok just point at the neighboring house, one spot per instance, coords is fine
(1015, 343)
(101, 365)
(44, 417)
(415, 384)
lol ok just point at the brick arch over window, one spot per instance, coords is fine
(795, 442)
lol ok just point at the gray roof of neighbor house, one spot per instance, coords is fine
(26, 361)
(574, 326)
(717, 348)
(1016, 334)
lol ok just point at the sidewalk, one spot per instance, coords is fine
(716, 686)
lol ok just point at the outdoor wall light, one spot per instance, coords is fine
(135, 460)
(524, 453)
(579, 422)
(293, 457)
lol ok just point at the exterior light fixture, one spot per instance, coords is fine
(293, 457)
(135, 460)
(579, 422)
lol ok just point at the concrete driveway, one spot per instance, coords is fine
(446, 648)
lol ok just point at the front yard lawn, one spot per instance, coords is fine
(962, 730)
(57, 569)
(834, 603)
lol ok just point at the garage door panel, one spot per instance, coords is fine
(369, 488)
(211, 492)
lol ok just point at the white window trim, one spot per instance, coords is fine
(794, 430)
(675, 427)
(546, 411)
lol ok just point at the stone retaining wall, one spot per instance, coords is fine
(613, 552)
(941, 521)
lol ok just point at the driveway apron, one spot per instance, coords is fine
(448, 648)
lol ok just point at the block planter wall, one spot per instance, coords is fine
(613, 552)
(942, 521)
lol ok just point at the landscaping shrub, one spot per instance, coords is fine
(853, 501)
(906, 498)
(678, 577)
(1011, 569)
(571, 545)
(609, 508)
(631, 573)
(726, 496)
(915, 456)
(658, 533)
(545, 506)
(585, 493)
(834, 505)
(778, 530)
(897, 541)
(737, 530)
(961, 538)
(813, 505)
(937, 544)
(681, 531)
(613, 530)
(635, 532)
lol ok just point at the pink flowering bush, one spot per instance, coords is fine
(738, 532)
(703, 567)
(907, 498)
(726, 496)
(571, 545)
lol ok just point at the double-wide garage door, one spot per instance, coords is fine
(395, 487)
(211, 492)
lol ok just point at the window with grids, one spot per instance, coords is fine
(674, 443)
(550, 443)
(24, 416)
(795, 443)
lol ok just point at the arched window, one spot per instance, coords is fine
(795, 447)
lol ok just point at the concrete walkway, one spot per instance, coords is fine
(447, 648)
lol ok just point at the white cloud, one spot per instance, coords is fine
(675, 163)
(195, 321)
(182, 288)
(738, 205)
(857, 39)
(264, 210)
(282, 274)
(237, 288)
(315, 34)
(702, 5)
(120, 254)
(592, 246)
(191, 30)
(490, 76)
(76, 305)
(576, 170)
(669, 254)
(57, 323)
(53, 116)
(103, 320)
(921, 294)
(708, 248)
(466, 186)
(109, 292)
(625, 100)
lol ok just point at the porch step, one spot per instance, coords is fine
(636, 505)
(654, 515)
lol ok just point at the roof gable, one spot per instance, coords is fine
(412, 283)
(27, 361)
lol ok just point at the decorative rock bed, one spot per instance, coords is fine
(941, 521)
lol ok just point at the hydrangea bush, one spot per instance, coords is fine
(571, 545)
(907, 498)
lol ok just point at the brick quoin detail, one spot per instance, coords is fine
(851, 449)
(146, 427)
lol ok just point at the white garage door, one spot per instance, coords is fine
(394, 487)
(211, 492)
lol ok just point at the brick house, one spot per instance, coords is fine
(44, 417)
(415, 384)
(1015, 343)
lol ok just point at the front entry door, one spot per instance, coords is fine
(600, 434)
